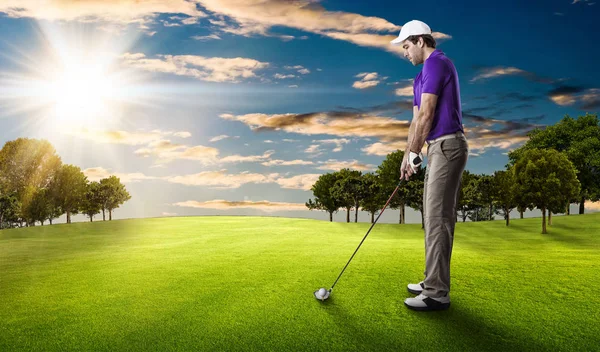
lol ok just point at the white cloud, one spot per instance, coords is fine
(302, 182)
(206, 37)
(368, 80)
(281, 76)
(405, 91)
(211, 69)
(246, 159)
(222, 180)
(314, 150)
(124, 137)
(218, 138)
(299, 68)
(383, 149)
(98, 173)
(339, 142)
(497, 72)
(366, 76)
(182, 134)
(165, 152)
(364, 84)
(278, 162)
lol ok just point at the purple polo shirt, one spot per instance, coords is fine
(439, 77)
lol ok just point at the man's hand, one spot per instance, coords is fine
(410, 164)
(405, 169)
(415, 160)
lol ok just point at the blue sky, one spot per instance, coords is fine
(236, 107)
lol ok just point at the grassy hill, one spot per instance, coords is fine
(246, 283)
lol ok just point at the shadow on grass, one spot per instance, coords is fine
(570, 236)
(453, 330)
(475, 333)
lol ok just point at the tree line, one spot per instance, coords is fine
(35, 186)
(558, 165)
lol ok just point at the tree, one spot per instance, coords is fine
(40, 207)
(117, 194)
(55, 210)
(324, 199)
(546, 179)
(68, 189)
(92, 201)
(27, 165)
(350, 190)
(9, 207)
(374, 198)
(467, 196)
(504, 192)
(389, 174)
(26, 213)
(485, 186)
(580, 140)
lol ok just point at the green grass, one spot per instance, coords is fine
(246, 283)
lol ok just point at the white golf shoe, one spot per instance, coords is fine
(416, 288)
(423, 303)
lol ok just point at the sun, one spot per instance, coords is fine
(73, 80)
(82, 94)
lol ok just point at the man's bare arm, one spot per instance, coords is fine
(424, 122)
(411, 129)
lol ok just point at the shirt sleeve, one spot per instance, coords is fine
(434, 76)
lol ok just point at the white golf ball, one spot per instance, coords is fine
(322, 292)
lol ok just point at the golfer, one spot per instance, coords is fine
(437, 122)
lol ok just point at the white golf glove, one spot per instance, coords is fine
(415, 160)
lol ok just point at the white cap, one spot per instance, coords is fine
(413, 27)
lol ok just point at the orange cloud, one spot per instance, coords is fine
(256, 17)
(336, 165)
(337, 124)
(120, 12)
(221, 204)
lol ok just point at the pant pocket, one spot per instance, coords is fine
(453, 148)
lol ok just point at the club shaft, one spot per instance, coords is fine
(361, 242)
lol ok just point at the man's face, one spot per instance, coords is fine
(413, 52)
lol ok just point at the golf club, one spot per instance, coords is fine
(322, 294)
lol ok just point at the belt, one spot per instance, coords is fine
(458, 134)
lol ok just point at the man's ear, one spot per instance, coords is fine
(421, 42)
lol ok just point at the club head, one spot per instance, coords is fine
(322, 294)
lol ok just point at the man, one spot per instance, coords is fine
(437, 121)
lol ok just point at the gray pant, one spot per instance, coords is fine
(446, 160)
